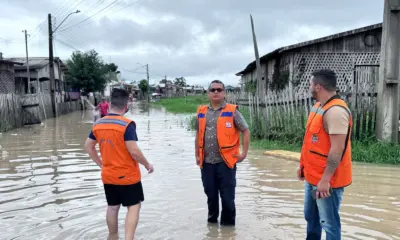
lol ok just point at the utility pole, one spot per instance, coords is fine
(258, 65)
(51, 67)
(387, 117)
(51, 60)
(27, 61)
(148, 83)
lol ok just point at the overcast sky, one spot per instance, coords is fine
(200, 40)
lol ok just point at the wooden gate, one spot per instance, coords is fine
(31, 109)
(363, 102)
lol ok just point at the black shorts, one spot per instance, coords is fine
(102, 115)
(127, 195)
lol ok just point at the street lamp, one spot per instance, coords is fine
(77, 11)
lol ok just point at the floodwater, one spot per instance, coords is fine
(50, 189)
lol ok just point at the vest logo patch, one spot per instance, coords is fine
(314, 138)
(228, 124)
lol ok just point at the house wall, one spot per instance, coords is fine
(340, 54)
(7, 84)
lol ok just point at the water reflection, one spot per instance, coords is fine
(50, 189)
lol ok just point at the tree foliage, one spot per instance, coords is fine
(88, 72)
(180, 81)
(143, 85)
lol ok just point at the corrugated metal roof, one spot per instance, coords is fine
(251, 66)
(34, 62)
(9, 62)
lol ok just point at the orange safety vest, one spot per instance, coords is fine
(227, 135)
(118, 166)
(316, 146)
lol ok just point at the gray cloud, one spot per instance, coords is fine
(196, 37)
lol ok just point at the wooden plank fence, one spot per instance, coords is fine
(10, 112)
(16, 110)
(285, 113)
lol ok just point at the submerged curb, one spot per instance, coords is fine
(294, 156)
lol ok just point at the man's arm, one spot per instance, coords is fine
(243, 127)
(130, 138)
(334, 155)
(196, 143)
(136, 153)
(90, 148)
(336, 123)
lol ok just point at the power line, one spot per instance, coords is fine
(75, 41)
(92, 21)
(87, 11)
(64, 13)
(128, 6)
(66, 44)
(62, 30)
(132, 71)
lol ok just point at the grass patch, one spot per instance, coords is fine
(187, 104)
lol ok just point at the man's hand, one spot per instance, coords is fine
(323, 188)
(239, 157)
(300, 175)
(150, 168)
(198, 161)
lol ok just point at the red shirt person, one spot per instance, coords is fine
(103, 106)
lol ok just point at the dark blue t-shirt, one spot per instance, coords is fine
(130, 132)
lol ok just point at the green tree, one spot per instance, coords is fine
(180, 81)
(143, 85)
(112, 67)
(88, 72)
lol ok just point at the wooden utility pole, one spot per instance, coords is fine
(51, 67)
(27, 62)
(387, 117)
(258, 65)
(148, 83)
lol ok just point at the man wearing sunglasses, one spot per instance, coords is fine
(217, 146)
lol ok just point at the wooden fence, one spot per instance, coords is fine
(286, 112)
(67, 107)
(10, 112)
(16, 110)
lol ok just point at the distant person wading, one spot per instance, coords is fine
(217, 147)
(103, 107)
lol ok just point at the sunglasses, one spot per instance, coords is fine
(218, 90)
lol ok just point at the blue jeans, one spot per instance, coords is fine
(219, 179)
(322, 214)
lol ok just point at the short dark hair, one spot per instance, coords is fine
(119, 98)
(326, 78)
(217, 81)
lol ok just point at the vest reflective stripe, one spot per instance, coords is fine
(113, 121)
(227, 135)
(118, 166)
(316, 147)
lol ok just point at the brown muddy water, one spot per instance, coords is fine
(50, 189)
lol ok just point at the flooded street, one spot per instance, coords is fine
(50, 189)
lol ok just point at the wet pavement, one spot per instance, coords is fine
(50, 189)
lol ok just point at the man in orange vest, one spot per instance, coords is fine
(217, 151)
(119, 163)
(325, 162)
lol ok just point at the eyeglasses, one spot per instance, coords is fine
(218, 90)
